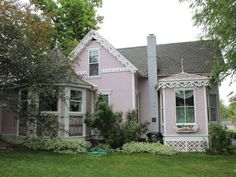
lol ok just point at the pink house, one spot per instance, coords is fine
(169, 85)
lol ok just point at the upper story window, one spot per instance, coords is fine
(185, 107)
(93, 56)
(48, 102)
(213, 107)
(75, 101)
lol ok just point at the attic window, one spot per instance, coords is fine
(93, 57)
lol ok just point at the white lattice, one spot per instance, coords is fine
(187, 145)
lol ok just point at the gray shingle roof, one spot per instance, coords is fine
(183, 76)
(197, 58)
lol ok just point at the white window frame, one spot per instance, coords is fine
(106, 92)
(194, 101)
(83, 102)
(98, 62)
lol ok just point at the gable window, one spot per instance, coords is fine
(48, 102)
(213, 107)
(93, 55)
(184, 106)
(75, 101)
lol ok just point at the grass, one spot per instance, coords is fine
(44, 164)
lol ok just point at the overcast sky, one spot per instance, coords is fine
(128, 22)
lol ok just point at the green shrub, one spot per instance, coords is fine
(54, 145)
(131, 129)
(114, 131)
(153, 148)
(220, 140)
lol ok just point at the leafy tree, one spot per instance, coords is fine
(228, 112)
(72, 18)
(232, 110)
(217, 21)
(26, 56)
(224, 111)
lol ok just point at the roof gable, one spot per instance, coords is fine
(103, 42)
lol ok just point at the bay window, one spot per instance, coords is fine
(185, 107)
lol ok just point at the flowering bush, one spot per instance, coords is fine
(54, 145)
(153, 148)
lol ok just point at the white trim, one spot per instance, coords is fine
(81, 72)
(83, 105)
(183, 84)
(98, 62)
(133, 91)
(94, 35)
(164, 110)
(82, 113)
(114, 70)
(206, 105)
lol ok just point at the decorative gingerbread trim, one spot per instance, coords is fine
(115, 70)
(94, 35)
(184, 84)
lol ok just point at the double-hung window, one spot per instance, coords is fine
(93, 57)
(213, 107)
(185, 107)
(75, 101)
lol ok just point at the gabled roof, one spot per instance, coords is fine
(94, 35)
(197, 58)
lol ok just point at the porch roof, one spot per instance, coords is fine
(183, 80)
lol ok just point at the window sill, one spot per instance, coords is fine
(187, 128)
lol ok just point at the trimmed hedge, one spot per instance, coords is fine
(143, 147)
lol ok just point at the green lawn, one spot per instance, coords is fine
(42, 164)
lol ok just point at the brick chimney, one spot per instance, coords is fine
(152, 81)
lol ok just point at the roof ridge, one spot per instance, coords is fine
(173, 43)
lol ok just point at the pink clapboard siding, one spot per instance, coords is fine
(9, 123)
(143, 97)
(119, 84)
(170, 113)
